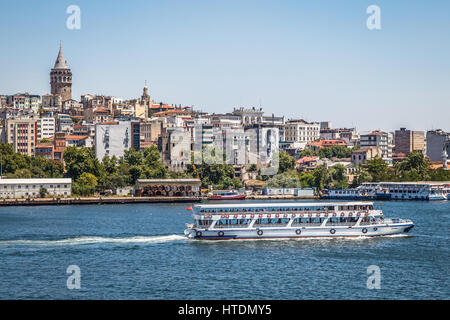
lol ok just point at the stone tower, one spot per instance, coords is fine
(61, 78)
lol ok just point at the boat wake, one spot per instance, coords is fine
(95, 240)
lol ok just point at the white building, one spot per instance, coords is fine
(301, 132)
(45, 128)
(30, 188)
(112, 139)
(382, 140)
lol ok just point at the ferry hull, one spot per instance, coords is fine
(299, 232)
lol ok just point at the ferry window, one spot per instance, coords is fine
(262, 221)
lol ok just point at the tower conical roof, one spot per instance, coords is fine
(61, 62)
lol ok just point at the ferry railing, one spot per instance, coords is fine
(274, 225)
(347, 224)
(225, 226)
(307, 224)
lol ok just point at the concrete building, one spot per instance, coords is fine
(30, 188)
(44, 150)
(437, 140)
(362, 155)
(301, 132)
(151, 130)
(64, 123)
(407, 141)
(61, 78)
(24, 101)
(21, 134)
(52, 103)
(381, 140)
(45, 128)
(112, 139)
(175, 148)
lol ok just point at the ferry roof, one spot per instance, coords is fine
(281, 204)
(408, 183)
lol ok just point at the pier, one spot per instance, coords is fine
(94, 200)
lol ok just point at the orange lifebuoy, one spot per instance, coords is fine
(293, 215)
(269, 215)
(342, 214)
(334, 214)
(317, 214)
(260, 215)
(277, 215)
(235, 216)
(350, 214)
(252, 215)
(358, 214)
(243, 216)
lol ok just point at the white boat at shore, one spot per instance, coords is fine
(409, 190)
(292, 220)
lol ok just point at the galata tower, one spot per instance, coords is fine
(61, 78)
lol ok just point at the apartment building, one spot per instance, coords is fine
(407, 141)
(21, 134)
(45, 128)
(381, 140)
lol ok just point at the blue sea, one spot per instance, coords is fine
(139, 252)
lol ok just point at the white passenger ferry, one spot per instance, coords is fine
(409, 190)
(291, 220)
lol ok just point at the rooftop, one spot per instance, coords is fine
(35, 181)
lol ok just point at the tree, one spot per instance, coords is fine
(85, 184)
(378, 169)
(43, 192)
(286, 162)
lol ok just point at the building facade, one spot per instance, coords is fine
(407, 141)
(381, 140)
(112, 139)
(21, 134)
(437, 141)
(31, 188)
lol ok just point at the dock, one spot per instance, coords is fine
(94, 200)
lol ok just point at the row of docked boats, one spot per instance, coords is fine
(392, 191)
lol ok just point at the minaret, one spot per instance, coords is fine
(145, 98)
(444, 156)
(61, 77)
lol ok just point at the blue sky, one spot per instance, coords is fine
(305, 59)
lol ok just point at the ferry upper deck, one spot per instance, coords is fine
(283, 207)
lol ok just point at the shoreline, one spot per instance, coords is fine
(94, 200)
(127, 200)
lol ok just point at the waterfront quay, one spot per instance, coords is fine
(94, 200)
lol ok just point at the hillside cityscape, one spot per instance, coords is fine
(105, 144)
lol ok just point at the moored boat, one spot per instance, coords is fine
(226, 195)
(408, 190)
(292, 220)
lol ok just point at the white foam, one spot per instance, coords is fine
(95, 240)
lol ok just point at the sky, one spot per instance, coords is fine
(314, 60)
